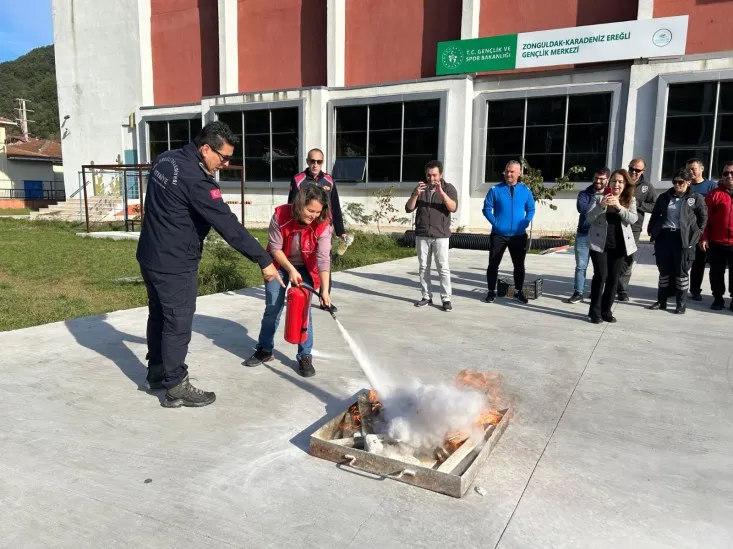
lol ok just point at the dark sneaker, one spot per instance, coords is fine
(185, 394)
(595, 319)
(623, 297)
(490, 297)
(680, 310)
(424, 302)
(718, 304)
(305, 366)
(696, 296)
(658, 305)
(575, 298)
(609, 318)
(259, 358)
(519, 296)
(447, 307)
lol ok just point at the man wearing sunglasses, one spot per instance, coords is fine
(646, 197)
(183, 202)
(717, 238)
(314, 174)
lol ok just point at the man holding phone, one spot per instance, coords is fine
(435, 201)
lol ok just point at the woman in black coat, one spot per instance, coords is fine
(675, 226)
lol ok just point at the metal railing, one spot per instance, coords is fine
(32, 190)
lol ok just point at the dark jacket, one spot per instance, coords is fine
(433, 218)
(509, 212)
(326, 182)
(583, 203)
(693, 217)
(182, 203)
(646, 197)
(719, 229)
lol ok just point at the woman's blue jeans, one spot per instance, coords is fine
(274, 303)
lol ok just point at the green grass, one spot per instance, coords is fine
(15, 211)
(49, 274)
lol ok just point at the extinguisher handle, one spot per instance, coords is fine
(312, 289)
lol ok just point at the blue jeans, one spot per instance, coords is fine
(582, 254)
(274, 303)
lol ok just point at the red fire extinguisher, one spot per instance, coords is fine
(296, 317)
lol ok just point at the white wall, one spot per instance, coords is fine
(99, 78)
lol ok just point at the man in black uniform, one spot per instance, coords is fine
(314, 174)
(646, 197)
(183, 202)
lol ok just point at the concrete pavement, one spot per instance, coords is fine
(623, 434)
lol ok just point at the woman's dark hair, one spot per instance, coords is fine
(628, 193)
(684, 174)
(308, 193)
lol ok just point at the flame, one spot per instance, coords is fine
(374, 401)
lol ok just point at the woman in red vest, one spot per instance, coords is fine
(300, 244)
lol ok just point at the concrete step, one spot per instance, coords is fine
(101, 208)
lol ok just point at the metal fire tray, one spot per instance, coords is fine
(453, 478)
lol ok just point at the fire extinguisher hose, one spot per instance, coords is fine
(312, 289)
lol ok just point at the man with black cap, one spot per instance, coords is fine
(646, 197)
(182, 203)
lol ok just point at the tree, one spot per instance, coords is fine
(542, 193)
(384, 211)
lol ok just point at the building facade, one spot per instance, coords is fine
(357, 78)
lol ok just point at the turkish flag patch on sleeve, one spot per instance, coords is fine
(215, 194)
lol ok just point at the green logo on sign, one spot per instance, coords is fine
(662, 37)
(452, 57)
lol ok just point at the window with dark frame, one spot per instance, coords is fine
(699, 124)
(166, 135)
(553, 133)
(268, 144)
(394, 141)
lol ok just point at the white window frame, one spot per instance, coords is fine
(335, 104)
(264, 106)
(660, 125)
(481, 117)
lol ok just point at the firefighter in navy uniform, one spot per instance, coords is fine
(314, 174)
(183, 202)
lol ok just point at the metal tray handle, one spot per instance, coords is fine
(397, 476)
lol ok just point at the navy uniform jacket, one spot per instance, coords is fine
(183, 202)
(327, 183)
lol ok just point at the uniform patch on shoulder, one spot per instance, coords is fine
(215, 194)
(691, 201)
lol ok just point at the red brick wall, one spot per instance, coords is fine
(185, 43)
(710, 22)
(282, 44)
(391, 40)
(536, 15)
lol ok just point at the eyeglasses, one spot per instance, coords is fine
(222, 157)
(727, 174)
(681, 181)
(315, 161)
(635, 170)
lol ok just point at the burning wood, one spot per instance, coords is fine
(365, 419)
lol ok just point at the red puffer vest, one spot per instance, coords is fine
(309, 234)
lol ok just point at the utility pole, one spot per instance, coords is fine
(22, 117)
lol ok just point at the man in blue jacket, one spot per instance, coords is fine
(182, 203)
(509, 207)
(582, 250)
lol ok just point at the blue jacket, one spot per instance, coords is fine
(583, 204)
(509, 214)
